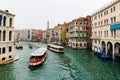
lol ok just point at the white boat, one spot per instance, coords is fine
(16, 57)
(38, 57)
(55, 48)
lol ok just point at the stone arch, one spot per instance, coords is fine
(109, 49)
(117, 48)
(103, 47)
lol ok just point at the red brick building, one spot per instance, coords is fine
(37, 35)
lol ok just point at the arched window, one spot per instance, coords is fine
(80, 44)
(85, 44)
(0, 35)
(10, 22)
(4, 35)
(0, 19)
(4, 21)
(10, 35)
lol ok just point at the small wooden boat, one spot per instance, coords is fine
(37, 57)
(55, 48)
(30, 46)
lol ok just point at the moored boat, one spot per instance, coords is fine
(30, 46)
(55, 48)
(37, 57)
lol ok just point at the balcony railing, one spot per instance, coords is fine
(95, 37)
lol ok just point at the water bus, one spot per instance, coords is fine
(55, 48)
(37, 57)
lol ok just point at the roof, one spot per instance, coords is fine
(105, 7)
(39, 52)
(6, 12)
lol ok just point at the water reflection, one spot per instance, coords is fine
(6, 72)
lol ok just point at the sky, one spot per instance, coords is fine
(34, 14)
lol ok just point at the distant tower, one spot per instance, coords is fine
(47, 32)
(47, 24)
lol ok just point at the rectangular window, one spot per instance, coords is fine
(80, 33)
(107, 21)
(111, 33)
(3, 58)
(101, 14)
(3, 50)
(95, 41)
(85, 44)
(85, 38)
(80, 44)
(0, 50)
(80, 28)
(111, 20)
(77, 39)
(114, 19)
(104, 33)
(85, 34)
(111, 9)
(10, 56)
(104, 13)
(114, 33)
(10, 48)
(114, 8)
(81, 39)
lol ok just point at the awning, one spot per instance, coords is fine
(115, 26)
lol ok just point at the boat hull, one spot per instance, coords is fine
(34, 64)
(54, 50)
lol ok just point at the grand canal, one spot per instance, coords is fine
(72, 65)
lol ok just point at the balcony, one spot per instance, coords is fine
(72, 30)
(96, 37)
(71, 35)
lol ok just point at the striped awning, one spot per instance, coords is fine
(115, 26)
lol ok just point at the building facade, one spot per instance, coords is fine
(16, 35)
(36, 35)
(6, 37)
(58, 34)
(106, 30)
(26, 34)
(64, 34)
(79, 33)
(52, 35)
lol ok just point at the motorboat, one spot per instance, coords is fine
(38, 57)
(55, 48)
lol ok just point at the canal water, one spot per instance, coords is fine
(72, 65)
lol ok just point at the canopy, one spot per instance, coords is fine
(115, 26)
(39, 52)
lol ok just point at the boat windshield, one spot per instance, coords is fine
(61, 49)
